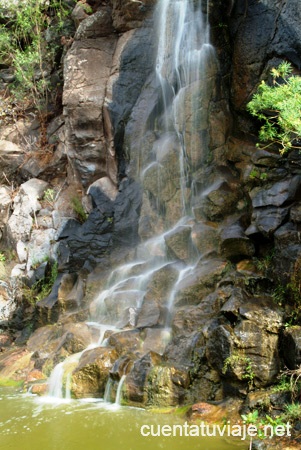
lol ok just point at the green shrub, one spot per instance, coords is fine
(278, 107)
(24, 48)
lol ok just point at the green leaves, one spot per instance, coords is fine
(279, 108)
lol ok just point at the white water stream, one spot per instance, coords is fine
(183, 53)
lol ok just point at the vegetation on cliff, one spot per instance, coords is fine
(30, 49)
(278, 107)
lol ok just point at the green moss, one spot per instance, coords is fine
(182, 410)
(7, 382)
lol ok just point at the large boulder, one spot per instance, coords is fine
(90, 376)
(279, 194)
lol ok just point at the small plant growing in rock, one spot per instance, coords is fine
(42, 287)
(86, 7)
(256, 175)
(49, 197)
(234, 361)
(79, 209)
(283, 385)
(278, 107)
(294, 376)
(292, 412)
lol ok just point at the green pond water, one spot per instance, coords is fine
(32, 423)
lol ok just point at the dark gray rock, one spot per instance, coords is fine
(267, 220)
(110, 224)
(219, 346)
(193, 288)
(7, 75)
(149, 314)
(291, 347)
(127, 208)
(275, 31)
(182, 350)
(265, 158)
(136, 64)
(287, 236)
(136, 381)
(91, 241)
(279, 194)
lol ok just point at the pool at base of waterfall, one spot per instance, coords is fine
(36, 423)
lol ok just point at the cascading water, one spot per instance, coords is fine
(184, 65)
(56, 381)
(183, 58)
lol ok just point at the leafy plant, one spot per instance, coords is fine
(251, 417)
(278, 107)
(256, 175)
(263, 423)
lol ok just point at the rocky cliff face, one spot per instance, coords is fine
(226, 328)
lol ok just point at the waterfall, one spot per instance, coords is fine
(185, 67)
(55, 383)
(183, 58)
(107, 394)
(184, 71)
(60, 380)
(119, 390)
